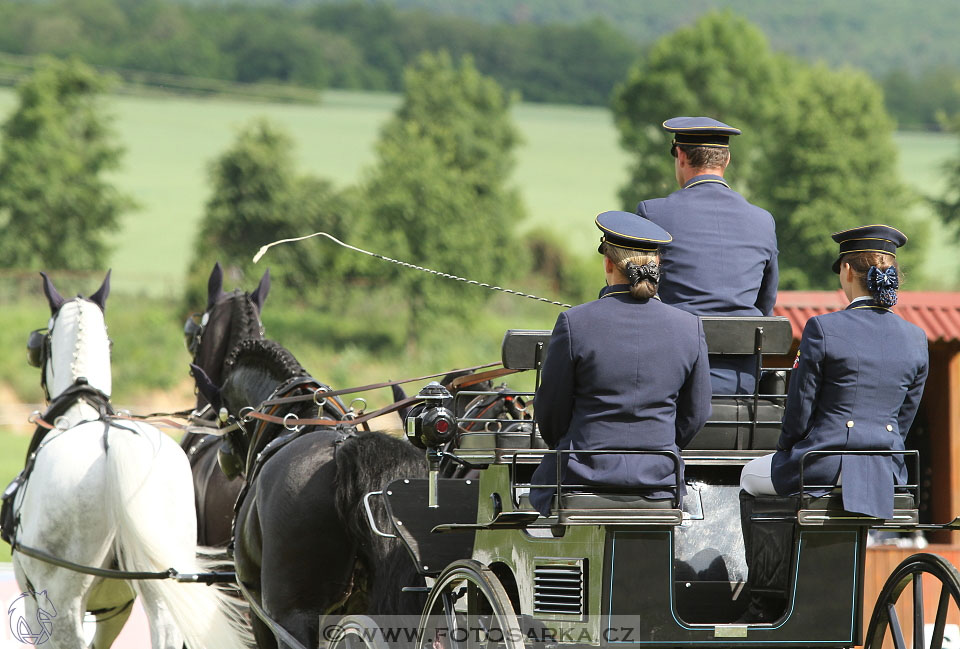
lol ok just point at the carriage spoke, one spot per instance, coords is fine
(895, 629)
(918, 639)
(941, 622)
(450, 615)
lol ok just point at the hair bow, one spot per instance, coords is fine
(883, 285)
(636, 273)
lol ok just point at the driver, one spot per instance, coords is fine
(625, 371)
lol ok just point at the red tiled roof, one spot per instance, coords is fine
(937, 313)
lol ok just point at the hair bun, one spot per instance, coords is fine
(883, 285)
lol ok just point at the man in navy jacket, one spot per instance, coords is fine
(723, 258)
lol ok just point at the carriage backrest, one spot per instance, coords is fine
(525, 349)
(739, 335)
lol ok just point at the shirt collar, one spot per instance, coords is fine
(864, 301)
(705, 178)
(618, 289)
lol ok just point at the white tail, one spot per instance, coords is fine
(155, 527)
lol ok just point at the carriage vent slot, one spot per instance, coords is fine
(558, 589)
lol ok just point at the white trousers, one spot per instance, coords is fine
(755, 477)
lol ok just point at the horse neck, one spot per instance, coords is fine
(79, 412)
(79, 348)
(231, 320)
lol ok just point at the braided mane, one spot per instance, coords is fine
(245, 320)
(264, 355)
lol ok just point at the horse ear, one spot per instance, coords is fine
(259, 296)
(206, 388)
(214, 286)
(54, 299)
(400, 395)
(100, 297)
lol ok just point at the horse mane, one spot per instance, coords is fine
(368, 462)
(264, 354)
(245, 319)
(253, 370)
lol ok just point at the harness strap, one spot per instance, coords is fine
(106, 573)
(109, 573)
(375, 386)
(473, 379)
(273, 419)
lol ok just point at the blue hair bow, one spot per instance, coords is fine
(883, 285)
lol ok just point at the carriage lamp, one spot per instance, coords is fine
(432, 427)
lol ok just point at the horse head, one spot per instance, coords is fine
(228, 319)
(75, 344)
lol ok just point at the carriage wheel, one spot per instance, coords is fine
(468, 608)
(916, 571)
(354, 632)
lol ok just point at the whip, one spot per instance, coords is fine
(263, 250)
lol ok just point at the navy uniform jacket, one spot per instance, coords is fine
(621, 373)
(722, 261)
(856, 385)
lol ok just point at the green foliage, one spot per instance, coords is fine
(259, 197)
(832, 166)
(816, 149)
(56, 206)
(948, 204)
(569, 278)
(720, 66)
(920, 101)
(439, 194)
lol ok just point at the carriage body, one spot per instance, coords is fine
(614, 569)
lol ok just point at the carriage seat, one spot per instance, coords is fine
(602, 506)
(828, 509)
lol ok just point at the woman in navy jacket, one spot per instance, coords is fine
(624, 371)
(856, 385)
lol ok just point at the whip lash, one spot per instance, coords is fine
(263, 250)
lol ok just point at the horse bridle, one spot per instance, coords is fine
(38, 347)
(193, 331)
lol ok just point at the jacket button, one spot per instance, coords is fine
(890, 427)
(850, 424)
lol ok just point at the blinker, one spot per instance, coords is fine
(36, 347)
(193, 331)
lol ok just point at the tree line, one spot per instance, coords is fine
(571, 53)
(817, 151)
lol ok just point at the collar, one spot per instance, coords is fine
(704, 179)
(865, 302)
(618, 289)
(615, 289)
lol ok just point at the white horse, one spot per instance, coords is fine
(110, 494)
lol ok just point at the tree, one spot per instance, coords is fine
(831, 166)
(56, 206)
(816, 150)
(439, 194)
(259, 197)
(948, 204)
(720, 66)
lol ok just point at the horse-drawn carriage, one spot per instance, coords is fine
(615, 568)
(607, 567)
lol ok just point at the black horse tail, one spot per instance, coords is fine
(369, 462)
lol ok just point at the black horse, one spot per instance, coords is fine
(228, 319)
(303, 546)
